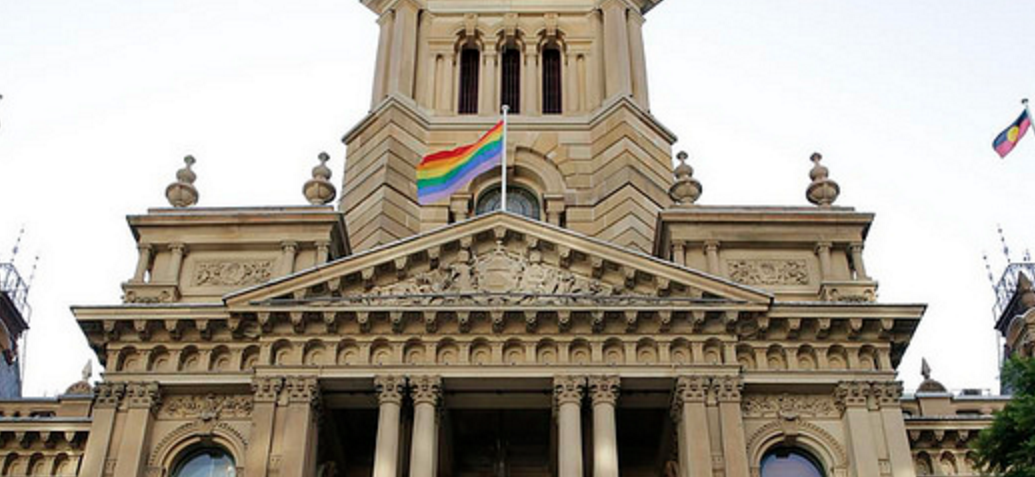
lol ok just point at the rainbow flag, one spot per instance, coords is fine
(1006, 140)
(442, 173)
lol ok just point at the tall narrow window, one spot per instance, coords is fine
(469, 67)
(552, 80)
(511, 79)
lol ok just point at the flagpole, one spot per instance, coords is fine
(1031, 121)
(503, 163)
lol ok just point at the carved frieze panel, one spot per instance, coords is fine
(206, 407)
(768, 271)
(789, 406)
(232, 273)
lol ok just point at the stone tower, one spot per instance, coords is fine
(584, 151)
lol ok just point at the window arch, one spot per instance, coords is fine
(470, 69)
(519, 201)
(205, 462)
(510, 78)
(552, 98)
(790, 462)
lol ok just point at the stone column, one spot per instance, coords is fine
(426, 392)
(856, 249)
(145, 251)
(265, 391)
(530, 83)
(889, 398)
(823, 252)
(616, 50)
(852, 398)
(178, 250)
(323, 251)
(384, 44)
(489, 105)
(734, 445)
(142, 400)
(711, 252)
(107, 397)
(288, 251)
(444, 82)
(568, 400)
(691, 418)
(679, 253)
(300, 429)
(403, 56)
(459, 205)
(604, 392)
(389, 397)
(638, 60)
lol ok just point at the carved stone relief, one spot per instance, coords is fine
(789, 405)
(769, 271)
(206, 407)
(225, 273)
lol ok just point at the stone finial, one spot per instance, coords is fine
(319, 190)
(685, 190)
(182, 193)
(822, 191)
(929, 385)
(925, 369)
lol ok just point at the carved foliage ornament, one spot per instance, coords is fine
(207, 407)
(769, 272)
(789, 406)
(224, 273)
(568, 389)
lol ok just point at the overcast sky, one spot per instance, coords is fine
(102, 100)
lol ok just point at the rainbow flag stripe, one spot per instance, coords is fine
(1006, 140)
(442, 173)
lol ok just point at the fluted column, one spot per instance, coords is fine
(604, 392)
(853, 397)
(691, 417)
(389, 397)
(142, 400)
(145, 252)
(300, 430)
(265, 391)
(568, 399)
(107, 397)
(426, 392)
(734, 445)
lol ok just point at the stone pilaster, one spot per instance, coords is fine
(691, 418)
(603, 391)
(852, 398)
(266, 392)
(889, 400)
(734, 444)
(106, 401)
(390, 391)
(141, 401)
(567, 393)
(426, 392)
(300, 429)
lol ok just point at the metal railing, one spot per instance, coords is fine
(16, 289)
(1007, 285)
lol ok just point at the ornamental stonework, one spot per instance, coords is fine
(227, 273)
(206, 407)
(768, 271)
(789, 406)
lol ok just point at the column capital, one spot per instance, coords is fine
(302, 390)
(850, 394)
(108, 395)
(568, 389)
(604, 389)
(855, 246)
(711, 245)
(426, 389)
(288, 245)
(690, 389)
(823, 247)
(727, 388)
(888, 394)
(143, 396)
(389, 388)
(178, 247)
(267, 389)
(146, 247)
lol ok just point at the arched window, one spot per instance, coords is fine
(470, 61)
(205, 462)
(519, 201)
(510, 79)
(790, 462)
(552, 80)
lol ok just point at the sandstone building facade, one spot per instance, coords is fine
(605, 325)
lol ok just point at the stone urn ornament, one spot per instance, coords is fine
(685, 190)
(823, 191)
(319, 190)
(182, 193)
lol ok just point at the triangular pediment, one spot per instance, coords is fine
(502, 259)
